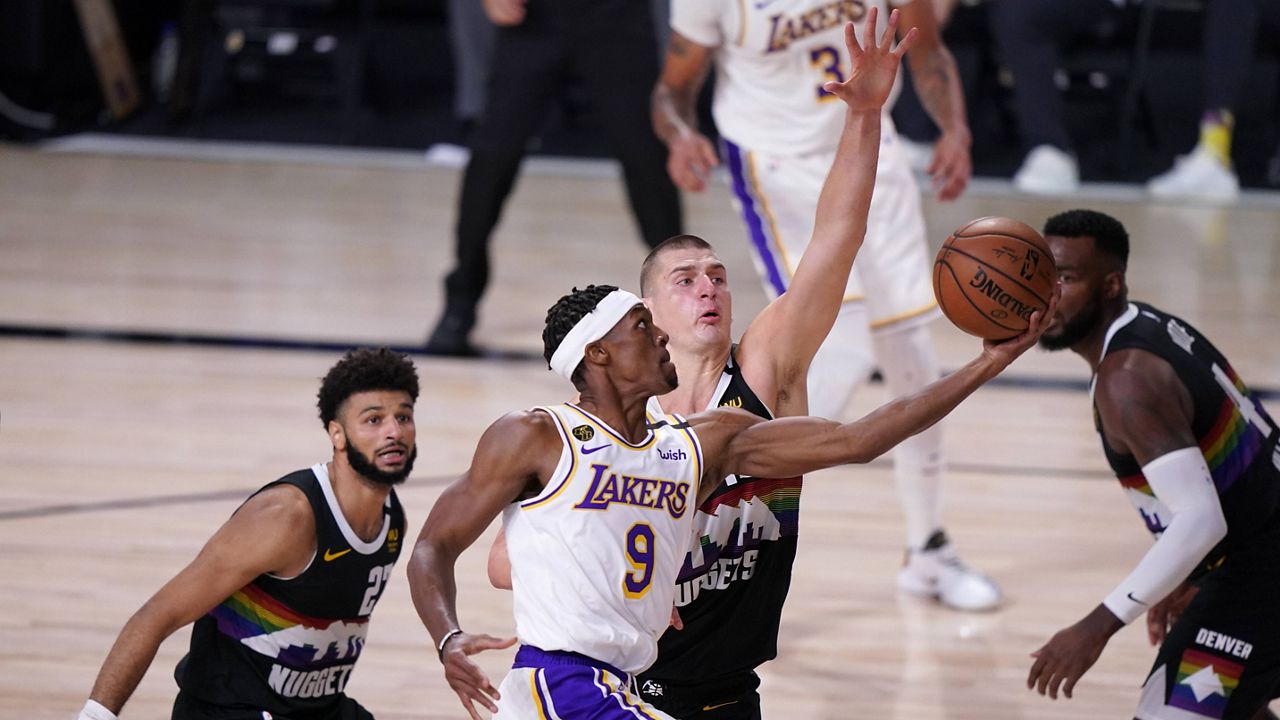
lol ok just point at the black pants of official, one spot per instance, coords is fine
(609, 47)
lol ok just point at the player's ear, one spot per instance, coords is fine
(1113, 285)
(337, 435)
(596, 353)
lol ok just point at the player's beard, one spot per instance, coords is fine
(364, 467)
(1076, 328)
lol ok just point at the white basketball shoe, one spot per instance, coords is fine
(936, 571)
(1198, 176)
(1047, 171)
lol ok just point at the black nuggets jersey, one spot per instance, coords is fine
(734, 582)
(287, 646)
(1236, 435)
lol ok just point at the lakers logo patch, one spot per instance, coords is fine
(583, 432)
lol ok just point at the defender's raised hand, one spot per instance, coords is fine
(874, 64)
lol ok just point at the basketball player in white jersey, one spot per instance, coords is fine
(597, 499)
(780, 127)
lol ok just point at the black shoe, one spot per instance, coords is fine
(449, 339)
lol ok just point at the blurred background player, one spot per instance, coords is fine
(780, 130)
(282, 593)
(1230, 31)
(1196, 454)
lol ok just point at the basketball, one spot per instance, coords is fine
(991, 274)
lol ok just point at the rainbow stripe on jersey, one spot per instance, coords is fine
(1231, 445)
(271, 628)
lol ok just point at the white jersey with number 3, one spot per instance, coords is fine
(594, 556)
(772, 57)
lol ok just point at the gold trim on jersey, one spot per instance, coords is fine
(903, 316)
(645, 445)
(546, 495)
(695, 448)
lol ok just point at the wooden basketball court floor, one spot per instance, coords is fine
(166, 322)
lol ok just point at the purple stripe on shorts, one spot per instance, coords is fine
(752, 217)
(529, 656)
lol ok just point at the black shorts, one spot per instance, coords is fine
(186, 707)
(729, 698)
(1222, 658)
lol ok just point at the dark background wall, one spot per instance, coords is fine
(390, 83)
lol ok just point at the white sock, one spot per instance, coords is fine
(908, 362)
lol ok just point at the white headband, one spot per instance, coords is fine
(593, 326)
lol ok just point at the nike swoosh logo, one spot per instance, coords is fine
(709, 708)
(588, 451)
(1131, 597)
(331, 555)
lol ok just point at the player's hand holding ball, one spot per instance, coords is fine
(995, 278)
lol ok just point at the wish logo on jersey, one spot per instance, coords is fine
(608, 488)
(731, 528)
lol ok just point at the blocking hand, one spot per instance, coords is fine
(874, 65)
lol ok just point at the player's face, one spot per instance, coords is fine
(381, 440)
(640, 356)
(1080, 273)
(690, 298)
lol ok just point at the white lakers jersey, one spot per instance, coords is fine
(594, 556)
(772, 57)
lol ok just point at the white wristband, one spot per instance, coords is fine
(94, 710)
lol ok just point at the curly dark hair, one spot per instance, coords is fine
(1107, 232)
(566, 313)
(362, 370)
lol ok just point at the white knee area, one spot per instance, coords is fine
(908, 363)
(842, 364)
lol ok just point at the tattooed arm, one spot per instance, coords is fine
(937, 83)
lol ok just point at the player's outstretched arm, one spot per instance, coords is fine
(937, 83)
(735, 443)
(510, 459)
(792, 328)
(1146, 411)
(273, 531)
(673, 109)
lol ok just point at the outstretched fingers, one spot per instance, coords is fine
(906, 42)
(851, 39)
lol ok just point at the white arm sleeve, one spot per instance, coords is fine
(1181, 480)
(93, 710)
